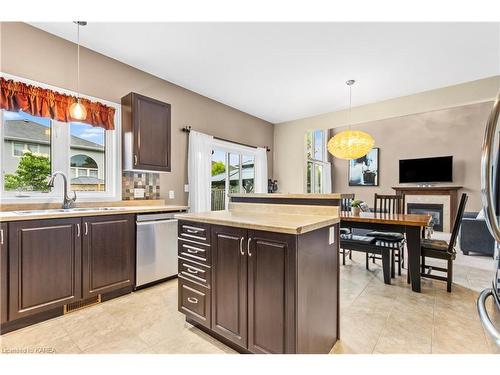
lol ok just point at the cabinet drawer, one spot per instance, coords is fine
(194, 301)
(197, 252)
(198, 232)
(194, 272)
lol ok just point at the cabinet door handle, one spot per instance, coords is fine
(248, 246)
(78, 230)
(241, 246)
(1, 236)
(86, 228)
(135, 159)
(192, 300)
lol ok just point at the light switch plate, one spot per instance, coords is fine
(139, 193)
(186, 188)
(171, 194)
(331, 238)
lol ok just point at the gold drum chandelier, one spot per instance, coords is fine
(350, 144)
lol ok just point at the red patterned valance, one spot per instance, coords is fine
(36, 101)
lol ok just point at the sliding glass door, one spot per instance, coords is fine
(232, 172)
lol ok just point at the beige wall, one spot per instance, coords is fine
(34, 54)
(454, 131)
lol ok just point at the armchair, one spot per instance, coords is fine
(475, 236)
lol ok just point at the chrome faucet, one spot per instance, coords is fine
(68, 202)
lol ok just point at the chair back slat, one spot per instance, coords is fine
(458, 222)
(345, 201)
(391, 204)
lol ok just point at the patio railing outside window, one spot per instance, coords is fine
(218, 199)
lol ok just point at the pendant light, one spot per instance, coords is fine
(350, 144)
(77, 110)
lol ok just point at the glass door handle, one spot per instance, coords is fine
(487, 159)
(483, 315)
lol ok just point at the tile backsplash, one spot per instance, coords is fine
(150, 182)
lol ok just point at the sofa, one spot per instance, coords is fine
(475, 236)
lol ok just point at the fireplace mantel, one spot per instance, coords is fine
(451, 191)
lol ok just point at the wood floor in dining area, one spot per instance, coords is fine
(375, 318)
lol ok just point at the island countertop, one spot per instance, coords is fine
(287, 195)
(272, 218)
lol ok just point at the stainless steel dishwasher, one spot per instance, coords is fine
(156, 257)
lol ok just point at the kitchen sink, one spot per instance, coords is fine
(66, 210)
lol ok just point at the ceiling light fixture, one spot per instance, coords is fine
(350, 144)
(77, 110)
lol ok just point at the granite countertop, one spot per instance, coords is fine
(297, 223)
(288, 196)
(116, 209)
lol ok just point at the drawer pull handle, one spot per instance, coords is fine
(192, 300)
(191, 270)
(192, 251)
(192, 231)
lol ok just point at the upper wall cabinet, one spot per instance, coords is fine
(146, 134)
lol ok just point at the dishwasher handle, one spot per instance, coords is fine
(156, 217)
(152, 222)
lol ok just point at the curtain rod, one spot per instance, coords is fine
(187, 129)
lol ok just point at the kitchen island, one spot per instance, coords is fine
(262, 278)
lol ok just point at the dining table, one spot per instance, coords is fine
(412, 225)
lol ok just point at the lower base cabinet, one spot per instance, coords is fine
(269, 292)
(108, 254)
(194, 301)
(4, 272)
(45, 266)
(51, 263)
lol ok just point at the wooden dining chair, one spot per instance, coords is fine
(346, 201)
(345, 205)
(439, 249)
(390, 204)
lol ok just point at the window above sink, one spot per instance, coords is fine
(34, 147)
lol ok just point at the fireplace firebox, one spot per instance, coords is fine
(435, 210)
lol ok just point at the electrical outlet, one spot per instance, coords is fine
(186, 188)
(331, 238)
(171, 194)
(139, 193)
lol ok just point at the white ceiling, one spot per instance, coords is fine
(286, 71)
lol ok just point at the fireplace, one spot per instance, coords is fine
(435, 210)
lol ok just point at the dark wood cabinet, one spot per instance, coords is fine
(108, 253)
(194, 301)
(49, 263)
(44, 265)
(271, 288)
(229, 281)
(146, 128)
(270, 292)
(4, 267)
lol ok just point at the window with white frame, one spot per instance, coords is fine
(316, 161)
(233, 171)
(35, 147)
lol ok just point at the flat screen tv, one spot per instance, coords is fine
(425, 170)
